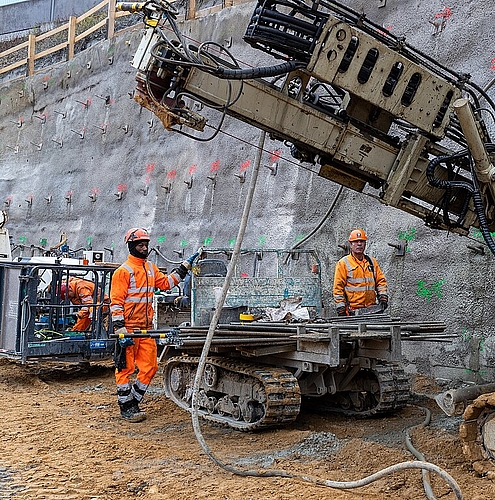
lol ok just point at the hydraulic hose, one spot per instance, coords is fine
(251, 73)
(419, 455)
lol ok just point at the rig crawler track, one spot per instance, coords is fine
(244, 396)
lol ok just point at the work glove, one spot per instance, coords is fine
(190, 260)
(341, 311)
(384, 303)
(126, 342)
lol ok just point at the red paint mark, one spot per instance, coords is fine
(95, 190)
(69, 193)
(121, 188)
(493, 63)
(244, 275)
(46, 78)
(192, 169)
(445, 14)
(31, 196)
(89, 101)
(10, 198)
(172, 174)
(245, 165)
(147, 180)
(150, 167)
(275, 155)
(215, 166)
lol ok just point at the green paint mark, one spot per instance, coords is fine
(466, 337)
(112, 245)
(89, 240)
(232, 242)
(161, 239)
(43, 242)
(428, 293)
(299, 237)
(207, 241)
(479, 235)
(183, 243)
(262, 241)
(22, 239)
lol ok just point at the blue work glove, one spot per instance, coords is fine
(126, 342)
(190, 260)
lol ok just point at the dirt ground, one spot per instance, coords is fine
(62, 438)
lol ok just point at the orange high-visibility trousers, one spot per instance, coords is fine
(143, 356)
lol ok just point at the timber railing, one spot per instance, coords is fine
(76, 30)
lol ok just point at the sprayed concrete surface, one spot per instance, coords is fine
(79, 156)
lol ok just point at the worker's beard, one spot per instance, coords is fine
(133, 250)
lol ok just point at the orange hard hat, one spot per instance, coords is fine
(358, 235)
(136, 233)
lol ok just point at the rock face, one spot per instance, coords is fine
(79, 156)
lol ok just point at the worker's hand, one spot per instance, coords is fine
(126, 342)
(341, 311)
(120, 330)
(384, 303)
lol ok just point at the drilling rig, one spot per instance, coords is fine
(370, 111)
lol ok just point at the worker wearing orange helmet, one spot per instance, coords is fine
(81, 292)
(358, 280)
(131, 294)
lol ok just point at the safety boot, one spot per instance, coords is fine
(130, 411)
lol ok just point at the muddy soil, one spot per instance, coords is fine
(62, 438)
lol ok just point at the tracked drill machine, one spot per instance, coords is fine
(372, 112)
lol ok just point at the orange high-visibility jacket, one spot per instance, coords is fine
(82, 292)
(131, 293)
(356, 285)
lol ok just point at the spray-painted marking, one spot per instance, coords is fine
(89, 240)
(245, 165)
(183, 243)
(244, 275)
(43, 242)
(232, 242)
(22, 239)
(275, 155)
(299, 237)
(161, 239)
(493, 64)
(207, 241)
(150, 167)
(172, 174)
(476, 372)
(408, 234)
(215, 166)
(428, 293)
(262, 241)
(192, 169)
(478, 234)
(121, 187)
(446, 13)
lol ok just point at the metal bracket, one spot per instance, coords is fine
(400, 247)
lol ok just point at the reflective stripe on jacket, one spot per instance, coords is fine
(356, 285)
(131, 294)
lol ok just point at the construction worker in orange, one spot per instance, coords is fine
(359, 285)
(81, 292)
(131, 295)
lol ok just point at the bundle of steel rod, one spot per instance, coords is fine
(281, 333)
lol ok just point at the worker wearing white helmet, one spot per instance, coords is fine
(358, 280)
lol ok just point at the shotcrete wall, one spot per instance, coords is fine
(79, 156)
